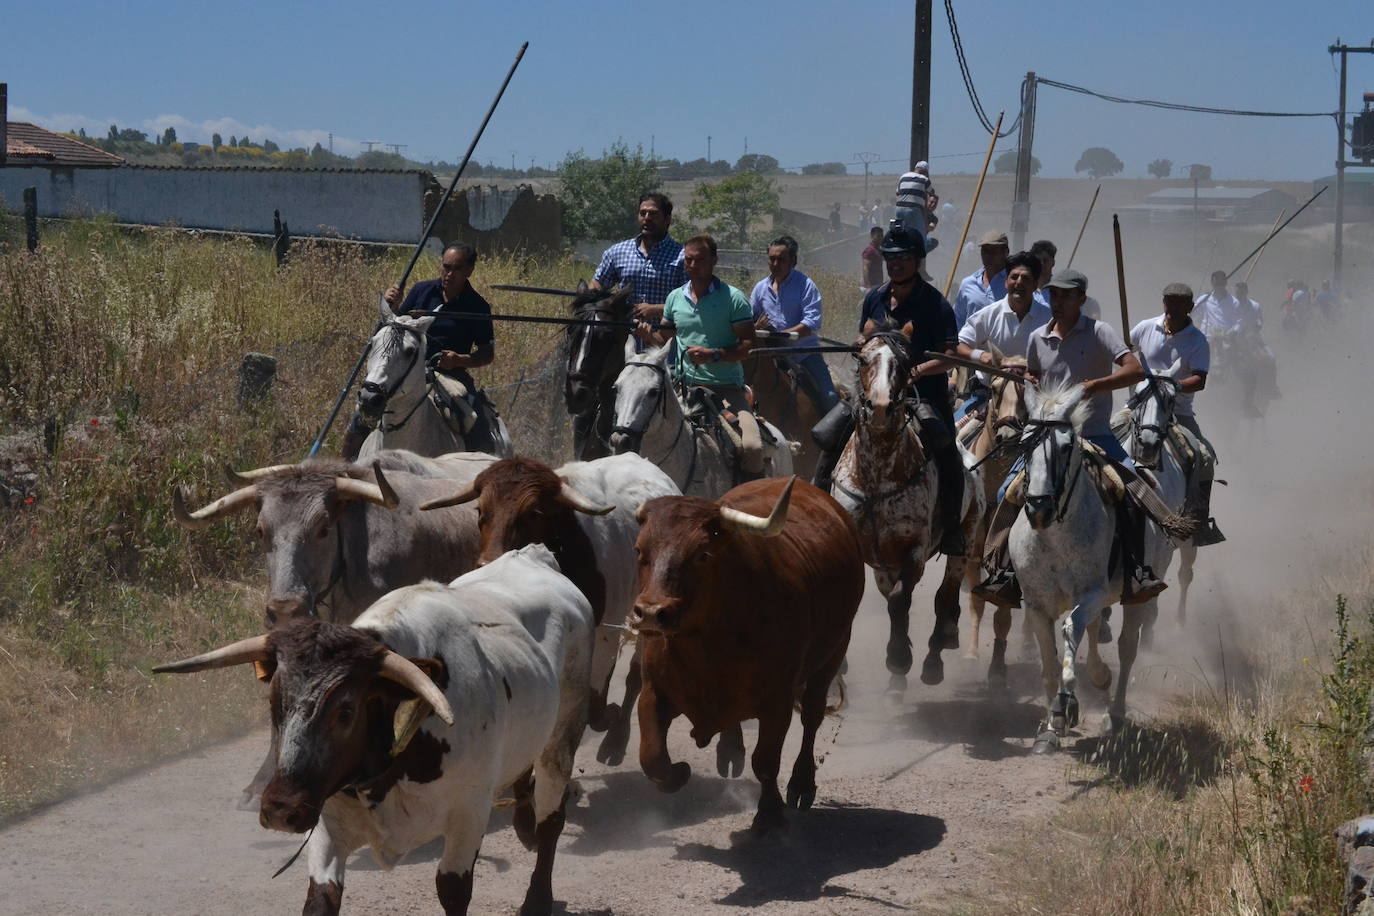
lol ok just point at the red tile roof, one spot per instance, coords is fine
(29, 144)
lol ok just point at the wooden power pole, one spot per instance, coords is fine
(920, 87)
(1020, 207)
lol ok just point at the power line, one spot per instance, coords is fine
(1175, 106)
(968, 78)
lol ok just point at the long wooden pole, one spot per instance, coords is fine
(1290, 219)
(1121, 280)
(1251, 270)
(968, 220)
(1092, 203)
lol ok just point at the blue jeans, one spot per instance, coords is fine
(1105, 441)
(815, 366)
(977, 398)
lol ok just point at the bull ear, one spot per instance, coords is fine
(413, 710)
(574, 500)
(422, 324)
(408, 674)
(907, 330)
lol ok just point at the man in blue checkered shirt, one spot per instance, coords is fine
(651, 262)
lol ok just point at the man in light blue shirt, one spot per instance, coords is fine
(988, 284)
(787, 300)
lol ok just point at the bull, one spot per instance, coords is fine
(585, 513)
(745, 603)
(407, 725)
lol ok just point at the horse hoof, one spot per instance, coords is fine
(1104, 632)
(1071, 714)
(612, 749)
(800, 798)
(676, 778)
(932, 670)
(1047, 742)
(896, 689)
(1101, 679)
(997, 676)
(950, 639)
(971, 655)
(899, 655)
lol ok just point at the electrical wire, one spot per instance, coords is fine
(968, 79)
(1175, 106)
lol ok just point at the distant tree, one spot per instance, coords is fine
(598, 196)
(81, 132)
(825, 168)
(376, 159)
(133, 136)
(1199, 172)
(114, 134)
(758, 162)
(1005, 164)
(216, 141)
(269, 147)
(728, 207)
(233, 141)
(1099, 162)
(169, 136)
(1160, 168)
(245, 142)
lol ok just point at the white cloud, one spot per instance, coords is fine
(189, 130)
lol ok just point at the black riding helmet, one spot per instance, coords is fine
(899, 240)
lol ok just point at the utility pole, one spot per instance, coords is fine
(1020, 207)
(920, 87)
(866, 158)
(1341, 163)
(708, 149)
(331, 141)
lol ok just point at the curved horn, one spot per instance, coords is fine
(763, 527)
(389, 497)
(201, 518)
(348, 488)
(404, 672)
(569, 497)
(465, 495)
(997, 354)
(242, 477)
(252, 649)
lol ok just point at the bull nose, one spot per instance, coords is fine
(651, 616)
(276, 814)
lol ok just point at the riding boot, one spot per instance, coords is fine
(824, 477)
(951, 501)
(480, 437)
(1205, 532)
(831, 435)
(355, 434)
(1138, 581)
(1000, 586)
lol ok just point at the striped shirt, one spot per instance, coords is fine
(913, 192)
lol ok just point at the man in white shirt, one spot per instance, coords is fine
(1006, 324)
(1218, 312)
(1172, 345)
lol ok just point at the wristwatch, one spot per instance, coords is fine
(717, 354)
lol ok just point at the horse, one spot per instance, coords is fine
(396, 394)
(649, 418)
(886, 482)
(1242, 370)
(596, 349)
(780, 391)
(1005, 418)
(1061, 547)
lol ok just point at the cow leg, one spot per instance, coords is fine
(730, 752)
(946, 632)
(801, 788)
(612, 749)
(1001, 627)
(604, 654)
(656, 714)
(774, 717)
(523, 820)
(325, 857)
(551, 774)
(462, 841)
(1126, 647)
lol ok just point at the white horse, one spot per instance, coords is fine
(885, 480)
(395, 394)
(651, 420)
(1061, 548)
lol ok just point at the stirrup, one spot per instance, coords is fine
(1207, 533)
(1141, 586)
(1000, 588)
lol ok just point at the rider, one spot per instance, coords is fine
(1047, 251)
(1163, 342)
(906, 299)
(787, 300)
(714, 327)
(651, 262)
(988, 283)
(453, 346)
(1074, 348)
(1252, 329)
(1006, 324)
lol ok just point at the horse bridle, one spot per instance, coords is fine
(664, 391)
(1152, 389)
(898, 343)
(1036, 432)
(387, 394)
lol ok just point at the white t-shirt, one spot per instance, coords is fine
(1159, 350)
(1217, 315)
(998, 325)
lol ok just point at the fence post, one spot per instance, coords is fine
(31, 217)
(281, 237)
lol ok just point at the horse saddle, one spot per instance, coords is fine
(457, 404)
(1117, 483)
(706, 411)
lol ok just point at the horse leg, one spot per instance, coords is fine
(1001, 627)
(1126, 647)
(1084, 618)
(1187, 556)
(1040, 623)
(975, 614)
(897, 587)
(946, 632)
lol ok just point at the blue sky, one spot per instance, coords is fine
(804, 81)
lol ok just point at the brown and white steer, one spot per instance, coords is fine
(585, 513)
(499, 661)
(745, 603)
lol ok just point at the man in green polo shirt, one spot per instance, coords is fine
(714, 326)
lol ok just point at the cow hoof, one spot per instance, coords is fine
(899, 655)
(1047, 742)
(800, 797)
(766, 821)
(676, 778)
(997, 675)
(1104, 632)
(1101, 679)
(729, 759)
(932, 670)
(612, 749)
(610, 714)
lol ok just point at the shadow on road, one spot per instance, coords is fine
(986, 725)
(1176, 758)
(827, 842)
(628, 812)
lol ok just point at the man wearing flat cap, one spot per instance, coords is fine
(988, 284)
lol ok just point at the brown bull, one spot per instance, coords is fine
(745, 604)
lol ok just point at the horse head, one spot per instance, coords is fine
(395, 362)
(1152, 410)
(641, 391)
(596, 347)
(885, 364)
(1007, 406)
(1052, 450)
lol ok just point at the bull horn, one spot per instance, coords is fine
(242, 477)
(252, 649)
(763, 527)
(997, 354)
(201, 518)
(348, 488)
(465, 495)
(388, 494)
(406, 673)
(569, 497)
